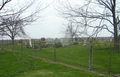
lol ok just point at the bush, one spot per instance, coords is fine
(75, 43)
(58, 45)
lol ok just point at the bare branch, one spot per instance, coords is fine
(4, 3)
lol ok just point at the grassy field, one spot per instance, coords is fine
(79, 55)
(16, 64)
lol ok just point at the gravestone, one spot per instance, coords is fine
(102, 40)
(76, 39)
(110, 39)
(65, 41)
(49, 41)
(30, 43)
(42, 39)
(84, 43)
(26, 44)
(19, 42)
(57, 40)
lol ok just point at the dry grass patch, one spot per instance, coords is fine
(37, 73)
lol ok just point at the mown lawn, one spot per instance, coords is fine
(16, 64)
(79, 55)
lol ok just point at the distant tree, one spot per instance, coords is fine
(96, 14)
(70, 30)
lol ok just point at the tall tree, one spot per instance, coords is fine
(97, 14)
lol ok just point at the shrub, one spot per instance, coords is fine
(58, 45)
(76, 42)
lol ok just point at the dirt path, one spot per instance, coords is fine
(74, 66)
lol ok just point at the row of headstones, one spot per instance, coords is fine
(63, 41)
(29, 45)
(51, 41)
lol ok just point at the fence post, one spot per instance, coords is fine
(39, 45)
(90, 57)
(13, 44)
(2, 42)
(21, 46)
(34, 47)
(7, 44)
(110, 59)
(55, 50)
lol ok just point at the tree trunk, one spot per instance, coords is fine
(12, 40)
(116, 40)
(72, 39)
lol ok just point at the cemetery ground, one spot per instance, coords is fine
(27, 66)
(104, 60)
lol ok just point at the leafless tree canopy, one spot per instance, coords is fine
(96, 14)
(13, 21)
(12, 26)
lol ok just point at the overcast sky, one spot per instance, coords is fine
(50, 24)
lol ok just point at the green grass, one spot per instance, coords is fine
(9, 64)
(79, 55)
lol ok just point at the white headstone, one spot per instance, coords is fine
(25, 43)
(84, 43)
(57, 40)
(30, 43)
(65, 41)
(49, 41)
(110, 39)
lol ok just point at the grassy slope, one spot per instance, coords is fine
(79, 55)
(9, 64)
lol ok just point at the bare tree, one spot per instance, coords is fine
(71, 30)
(12, 25)
(97, 14)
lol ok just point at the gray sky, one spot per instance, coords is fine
(50, 24)
(47, 26)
